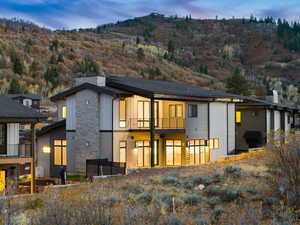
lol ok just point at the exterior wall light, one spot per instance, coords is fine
(46, 149)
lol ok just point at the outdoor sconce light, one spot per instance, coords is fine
(87, 144)
(46, 149)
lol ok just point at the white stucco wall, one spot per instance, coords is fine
(71, 113)
(231, 127)
(197, 128)
(218, 128)
(276, 120)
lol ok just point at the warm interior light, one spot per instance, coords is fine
(238, 117)
(46, 149)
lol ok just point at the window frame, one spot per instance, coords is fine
(192, 110)
(173, 151)
(123, 148)
(64, 112)
(122, 121)
(202, 145)
(62, 151)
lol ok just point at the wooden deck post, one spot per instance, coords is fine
(32, 166)
(152, 127)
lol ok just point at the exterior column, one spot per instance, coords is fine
(33, 162)
(152, 127)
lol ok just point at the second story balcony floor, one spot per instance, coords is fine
(15, 151)
(160, 123)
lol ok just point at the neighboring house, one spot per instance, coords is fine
(16, 158)
(257, 119)
(122, 119)
(29, 100)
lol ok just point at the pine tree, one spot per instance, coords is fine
(140, 54)
(237, 84)
(171, 46)
(52, 76)
(17, 64)
(14, 87)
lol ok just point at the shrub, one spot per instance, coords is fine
(213, 201)
(34, 203)
(214, 190)
(192, 199)
(235, 172)
(145, 197)
(230, 194)
(251, 190)
(173, 221)
(208, 180)
(202, 221)
(171, 180)
(132, 188)
(270, 201)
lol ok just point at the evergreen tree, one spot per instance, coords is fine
(171, 46)
(89, 66)
(138, 40)
(17, 63)
(52, 76)
(14, 87)
(34, 68)
(237, 84)
(140, 54)
(60, 58)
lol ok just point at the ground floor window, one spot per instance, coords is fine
(199, 153)
(60, 152)
(123, 148)
(214, 143)
(2, 180)
(173, 152)
(144, 153)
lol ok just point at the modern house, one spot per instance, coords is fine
(257, 119)
(142, 122)
(16, 158)
(29, 100)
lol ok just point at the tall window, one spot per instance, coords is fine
(238, 117)
(3, 139)
(198, 152)
(176, 116)
(173, 152)
(122, 113)
(143, 153)
(214, 143)
(64, 112)
(192, 110)
(144, 114)
(60, 152)
(123, 147)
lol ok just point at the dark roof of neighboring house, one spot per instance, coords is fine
(11, 110)
(30, 96)
(150, 88)
(98, 89)
(258, 102)
(50, 127)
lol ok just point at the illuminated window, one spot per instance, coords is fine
(216, 143)
(238, 117)
(46, 149)
(144, 114)
(60, 152)
(64, 112)
(123, 147)
(173, 152)
(192, 111)
(122, 113)
(143, 153)
(198, 152)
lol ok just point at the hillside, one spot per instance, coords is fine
(200, 52)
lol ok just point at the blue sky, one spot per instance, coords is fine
(68, 14)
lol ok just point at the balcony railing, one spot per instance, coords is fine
(16, 150)
(161, 123)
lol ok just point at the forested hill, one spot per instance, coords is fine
(201, 52)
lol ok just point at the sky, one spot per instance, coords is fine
(72, 14)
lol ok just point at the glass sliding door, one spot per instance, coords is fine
(199, 153)
(173, 152)
(144, 153)
(144, 114)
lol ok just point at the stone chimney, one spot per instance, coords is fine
(273, 97)
(97, 80)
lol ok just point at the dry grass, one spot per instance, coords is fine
(235, 193)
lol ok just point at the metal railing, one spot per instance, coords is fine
(16, 150)
(161, 123)
(103, 167)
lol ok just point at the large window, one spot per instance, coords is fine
(176, 111)
(60, 152)
(173, 152)
(198, 152)
(143, 153)
(144, 114)
(64, 112)
(192, 110)
(214, 143)
(238, 117)
(122, 113)
(3, 139)
(123, 149)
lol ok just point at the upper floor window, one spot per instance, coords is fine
(64, 112)
(238, 117)
(192, 111)
(176, 111)
(122, 113)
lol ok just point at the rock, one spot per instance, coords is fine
(201, 187)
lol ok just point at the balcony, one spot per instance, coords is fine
(16, 151)
(161, 123)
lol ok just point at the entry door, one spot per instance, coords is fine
(144, 153)
(173, 152)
